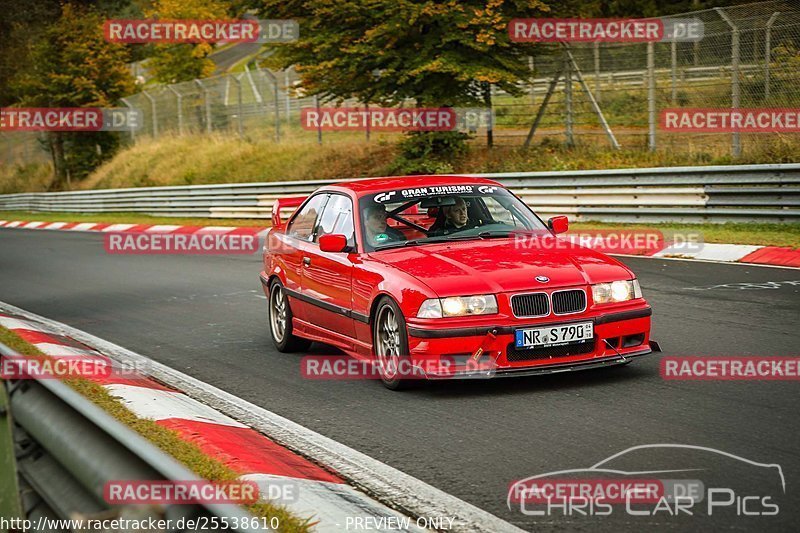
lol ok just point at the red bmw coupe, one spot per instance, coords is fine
(443, 273)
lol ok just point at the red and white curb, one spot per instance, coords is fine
(133, 228)
(735, 253)
(233, 431)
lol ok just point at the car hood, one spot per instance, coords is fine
(501, 265)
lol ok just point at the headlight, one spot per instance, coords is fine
(485, 304)
(617, 291)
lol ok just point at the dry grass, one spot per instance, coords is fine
(166, 439)
(200, 159)
(25, 178)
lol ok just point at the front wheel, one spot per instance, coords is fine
(280, 321)
(390, 345)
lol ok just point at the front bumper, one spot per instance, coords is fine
(618, 337)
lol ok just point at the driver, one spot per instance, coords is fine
(376, 229)
(455, 217)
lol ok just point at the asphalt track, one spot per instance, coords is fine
(206, 316)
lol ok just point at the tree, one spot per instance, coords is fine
(172, 63)
(385, 51)
(74, 66)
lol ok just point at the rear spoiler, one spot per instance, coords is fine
(284, 203)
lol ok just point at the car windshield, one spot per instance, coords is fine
(420, 215)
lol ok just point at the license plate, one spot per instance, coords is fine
(576, 333)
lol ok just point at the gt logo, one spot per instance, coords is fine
(384, 196)
(486, 189)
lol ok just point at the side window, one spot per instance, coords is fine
(337, 218)
(500, 212)
(302, 225)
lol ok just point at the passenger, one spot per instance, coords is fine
(376, 229)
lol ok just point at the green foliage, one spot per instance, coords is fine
(74, 66)
(429, 152)
(173, 63)
(388, 51)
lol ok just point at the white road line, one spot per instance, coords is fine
(377, 479)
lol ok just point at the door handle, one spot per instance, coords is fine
(307, 261)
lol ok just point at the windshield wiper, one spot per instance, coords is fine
(481, 235)
(398, 244)
(494, 233)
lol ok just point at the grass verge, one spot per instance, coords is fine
(166, 439)
(787, 235)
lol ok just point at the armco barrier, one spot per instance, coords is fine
(68, 448)
(764, 193)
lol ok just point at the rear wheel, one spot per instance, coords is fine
(390, 345)
(280, 321)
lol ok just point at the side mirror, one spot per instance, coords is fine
(333, 242)
(558, 224)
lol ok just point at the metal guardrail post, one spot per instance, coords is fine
(133, 130)
(673, 49)
(179, 98)
(287, 97)
(367, 132)
(239, 110)
(768, 52)
(592, 101)
(539, 114)
(568, 132)
(319, 128)
(736, 143)
(153, 112)
(206, 104)
(275, 90)
(651, 97)
(532, 81)
(596, 51)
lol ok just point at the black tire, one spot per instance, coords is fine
(280, 321)
(386, 313)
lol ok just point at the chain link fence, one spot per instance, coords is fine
(606, 93)
(749, 57)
